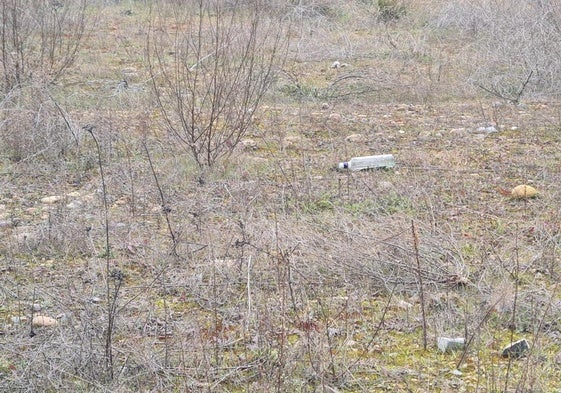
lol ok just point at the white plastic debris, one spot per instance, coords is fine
(446, 344)
(368, 162)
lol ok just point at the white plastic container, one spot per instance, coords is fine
(446, 344)
(368, 162)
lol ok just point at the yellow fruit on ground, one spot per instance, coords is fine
(523, 191)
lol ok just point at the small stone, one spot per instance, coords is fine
(385, 185)
(51, 199)
(35, 307)
(446, 344)
(403, 305)
(64, 317)
(294, 142)
(486, 130)
(248, 144)
(516, 350)
(331, 332)
(335, 64)
(456, 372)
(121, 201)
(336, 117)
(95, 300)
(74, 205)
(6, 224)
(43, 321)
(73, 194)
(18, 320)
(355, 138)
(129, 70)
(325, 106)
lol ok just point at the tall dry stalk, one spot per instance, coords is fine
(420, 279)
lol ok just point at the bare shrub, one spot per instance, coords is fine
(32, 127)
(391, 10)
(40, 40)
(516, 45)
(211, 71)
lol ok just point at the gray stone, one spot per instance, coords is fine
(51, 199)
(516, 350)
(486, 130)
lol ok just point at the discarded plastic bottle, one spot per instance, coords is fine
(368, 162)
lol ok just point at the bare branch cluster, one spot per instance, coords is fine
(39, 39)
(514, 46)
(210, 71)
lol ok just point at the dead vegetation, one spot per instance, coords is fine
(268, 270)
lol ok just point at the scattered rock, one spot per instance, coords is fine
(355, 138)
(486, 130)
(26, 234)
(248, 144)
(74, 205)
(325, 106)
(456, 372)
(403, 305)
(523, 191)
(332, 332)
(51, 199)
(336, 117)
(95, 300)
(294, 142)
(446, 344)
(122, 201)
(425, 135)
(35, 307)
(129, 71)
(337, 64)
(458, 131)
(516, 350)
(43, 321)
(385, 185)
(351, 343)
(4, 224)
(18, 320)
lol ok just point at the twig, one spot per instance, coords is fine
(512, 325)
(516, 100)
(111, 301)
(470, 340)
(65, 118)
(420, 278)
(166, 210)
(248, 284)
(376, 330)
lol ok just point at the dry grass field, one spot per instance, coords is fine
(269, 270)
